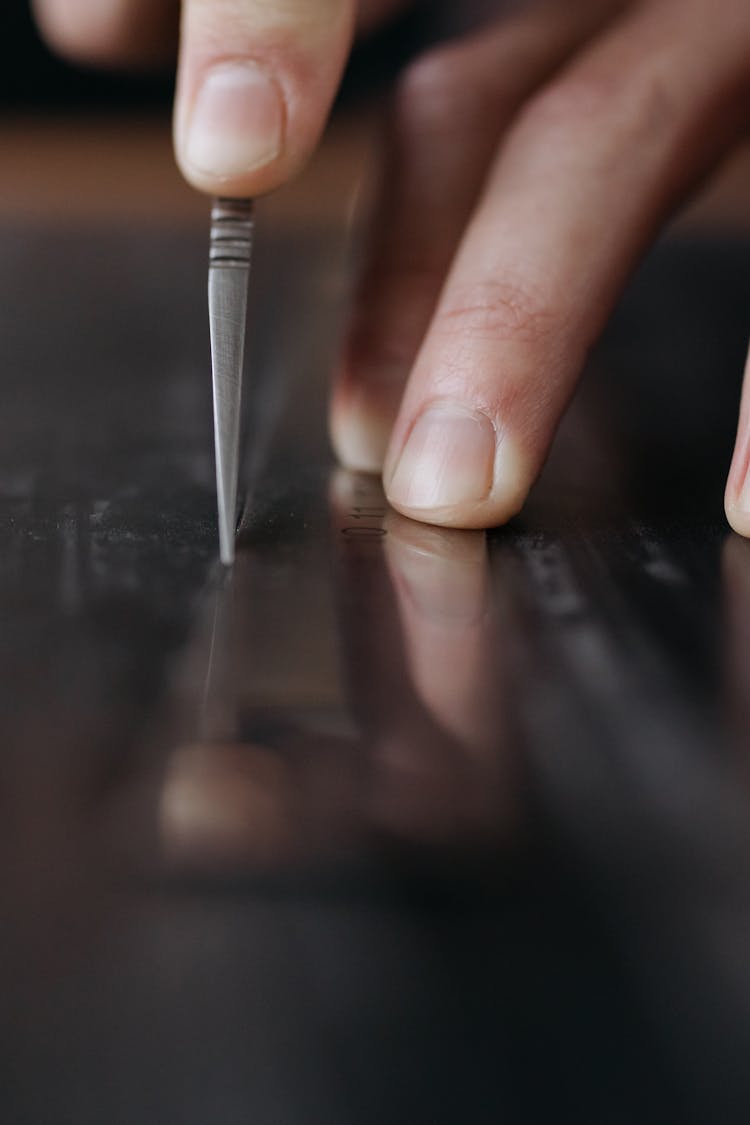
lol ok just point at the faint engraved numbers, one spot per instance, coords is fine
(366, 516)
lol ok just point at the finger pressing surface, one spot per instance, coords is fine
(450, 111)
(589, 170)
(737, 499)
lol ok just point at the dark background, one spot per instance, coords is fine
(33, 77)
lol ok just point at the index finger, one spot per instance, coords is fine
(592, 166)
(255, 84)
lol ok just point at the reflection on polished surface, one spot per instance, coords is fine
(393, 824)
(401, 743)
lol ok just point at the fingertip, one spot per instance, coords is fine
(359, 437)
(68, 28)
(738, 515)
(737, 494)
(130, 33)
(364, 405)
(457, 468)
(255, 85)
(230, 133)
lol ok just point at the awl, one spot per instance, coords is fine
(232, 227)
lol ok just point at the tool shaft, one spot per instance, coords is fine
(232, 228)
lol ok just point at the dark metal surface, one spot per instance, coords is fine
(394, 824)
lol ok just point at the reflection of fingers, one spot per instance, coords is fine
(116, 32)
(369, 624)
(737, 498)
(441, 578)
(449, 114)
(225, 804)
(256, 81)
(589, 170)
(409, 791)
(420, 685)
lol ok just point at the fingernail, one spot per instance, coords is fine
(363, 419)
(237, 121)
(448, 459)
(360, 440)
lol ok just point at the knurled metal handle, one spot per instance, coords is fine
(232, 230)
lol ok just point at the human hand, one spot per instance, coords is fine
(530, 166)
(256, 78)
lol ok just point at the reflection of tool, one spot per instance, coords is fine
(228, 276)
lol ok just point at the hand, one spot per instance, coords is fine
(530, 166)
(256, 78)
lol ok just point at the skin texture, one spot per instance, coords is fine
(528, 168)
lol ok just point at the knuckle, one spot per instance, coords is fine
(500, 311)
(434, 94)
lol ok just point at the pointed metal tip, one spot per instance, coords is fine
(226, 545)
(227, 497)
(227, 420)
(231, 248)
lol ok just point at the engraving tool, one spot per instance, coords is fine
(232, 228)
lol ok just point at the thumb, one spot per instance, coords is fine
(255, 84)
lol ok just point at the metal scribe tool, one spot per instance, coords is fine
(232, 224)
